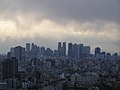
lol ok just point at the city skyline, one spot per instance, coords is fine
(41, 68)
(91, 22)
(63, 49)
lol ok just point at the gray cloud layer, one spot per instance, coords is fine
(93, 22)
(67, 9)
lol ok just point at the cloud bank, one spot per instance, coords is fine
(91, 22)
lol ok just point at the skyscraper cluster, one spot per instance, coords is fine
(18, 52)
(74, 51)
(61, 49)
(31, 66)
(78, 51)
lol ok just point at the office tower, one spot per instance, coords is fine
(10, 68)
(59, 45)
(97, 51)
(55, 53)
(27, 47)
(70, 47)
(48, 52)
(42, 51)
(9, 55)
(64, 48)
(75, 51)
(38, 50)
(12, 50)
(34, 50)
(80, 51)
(28, 51)
(108, 55)
(59, 49)
(115, 56)
(86, 50)
(32, 46)
(20, 53)
(103, 53)
(23, 54)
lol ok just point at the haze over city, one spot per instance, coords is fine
(46, 22)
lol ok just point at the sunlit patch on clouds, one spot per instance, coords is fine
(46, 28)
(22, 28)
(28, 28)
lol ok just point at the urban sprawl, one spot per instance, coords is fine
(39, 68)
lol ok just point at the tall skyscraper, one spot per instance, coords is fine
(27, 47)
(70, 47)
(9, 55)
(20, 53)
(80, 50)
(42, 51)
(56, 53)
(97, 51)
(12, 50)
(10, 68)
(64, 48)
(48, 52)
(34, 50)
(59, 49)
(28, 51)
(23, 54)
(75, 51)
(86, 50)
(59, 45)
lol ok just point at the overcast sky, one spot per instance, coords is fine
(45, 22)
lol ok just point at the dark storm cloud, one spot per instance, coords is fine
(66, 9)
